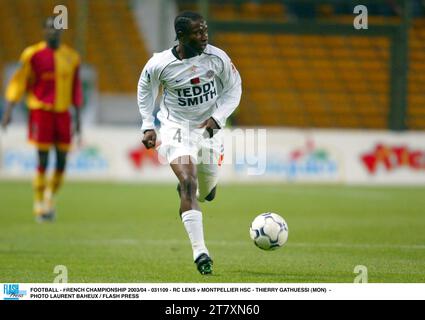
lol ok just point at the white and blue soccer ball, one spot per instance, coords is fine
(269, 231)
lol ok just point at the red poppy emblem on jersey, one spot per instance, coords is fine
(195, 81)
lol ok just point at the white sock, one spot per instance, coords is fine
(192, 220)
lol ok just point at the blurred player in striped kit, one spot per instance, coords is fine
(201, 89)
(49, 76)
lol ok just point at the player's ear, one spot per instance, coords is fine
(179, 35)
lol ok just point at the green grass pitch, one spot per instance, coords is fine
(109, 233)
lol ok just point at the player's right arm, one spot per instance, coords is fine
(7, 115)
(17, 86)
(147, 92)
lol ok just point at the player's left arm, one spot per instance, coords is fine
(230, 96)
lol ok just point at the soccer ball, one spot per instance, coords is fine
(269, 231)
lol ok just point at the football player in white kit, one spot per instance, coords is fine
(201, 89)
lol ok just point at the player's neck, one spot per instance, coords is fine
(54, 45)
(186, 52)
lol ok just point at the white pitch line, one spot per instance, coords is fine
(132, 242)
(299, 244)
(343, 192)
(361, 245)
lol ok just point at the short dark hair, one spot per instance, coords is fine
(49, 22)
(182, 21)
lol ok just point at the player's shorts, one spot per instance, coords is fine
(207, 153)
(46, 128)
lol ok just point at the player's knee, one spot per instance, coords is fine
(211, 195)
(188, 186)
(43, 157)
(60, 161)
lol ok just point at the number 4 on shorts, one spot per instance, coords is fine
(178, 135)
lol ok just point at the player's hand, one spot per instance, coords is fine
(149, 139)
(77, 128)
(211, 127)
(77, 134)
(78, 139)
(5, 120)
(7, 115)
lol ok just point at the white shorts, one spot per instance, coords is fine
(207, 153)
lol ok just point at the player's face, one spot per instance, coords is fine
(197, 37)
(51, 34)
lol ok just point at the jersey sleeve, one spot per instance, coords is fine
(147, 92)
(18, 84)
(231, 93)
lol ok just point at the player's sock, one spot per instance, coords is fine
(192, 221)
(54, 185)
(39, 185)
(56, 181)
(39, 208)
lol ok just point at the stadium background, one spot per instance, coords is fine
(303, 64)
(335, 76)
(341, 106)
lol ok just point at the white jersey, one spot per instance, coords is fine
(194, 89)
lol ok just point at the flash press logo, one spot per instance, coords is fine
(12, 292)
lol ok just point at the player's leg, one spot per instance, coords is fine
(212, 156)
(56, 180)
(58, 175)
(185, 171)
(62, 137)
(208, 176)
(39, 183)
(191, 215)
(207, 184)
(203, 184)
(40, 127)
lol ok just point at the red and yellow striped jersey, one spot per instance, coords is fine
(49, 77)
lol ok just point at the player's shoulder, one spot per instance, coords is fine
(32, 49)
(215, 51)
(70, 51)
(161, 59)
